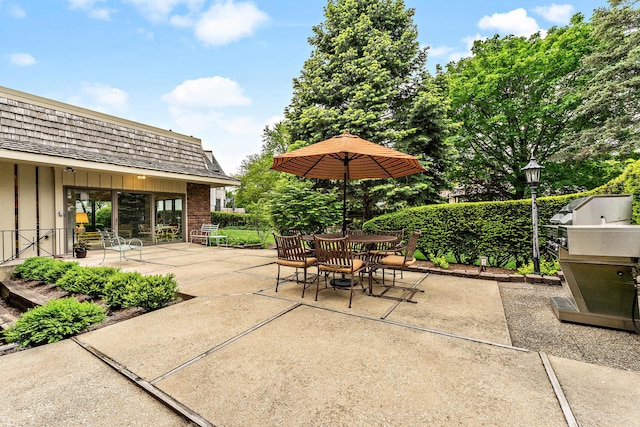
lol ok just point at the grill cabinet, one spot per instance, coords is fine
(598, 250)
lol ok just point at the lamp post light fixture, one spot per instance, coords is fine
(532, 173)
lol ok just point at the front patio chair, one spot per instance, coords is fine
(398, 262)
(388, 248)
(292, 253)
(336, 256)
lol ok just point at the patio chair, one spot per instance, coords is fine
(335, 256)
(388, 248)
(173, 232)
(397, 262)
(292, 253)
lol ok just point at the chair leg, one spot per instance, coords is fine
(278, 278)
(351, 290)
(304, 284)
(318, 283)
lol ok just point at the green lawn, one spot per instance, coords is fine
(247, 237)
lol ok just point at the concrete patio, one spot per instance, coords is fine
(238, 353)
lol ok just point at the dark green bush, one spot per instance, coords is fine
(501, 231)
(54, 321)
(33, 268)
(231, 219)
(86, 280)
(129, 289)
(156, 291)
(120, 291)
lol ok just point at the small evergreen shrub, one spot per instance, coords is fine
(86, 280)
(34, 268)
(54, 321)
(156, 291)
(120, 291)
(129, 289)
(57, 270)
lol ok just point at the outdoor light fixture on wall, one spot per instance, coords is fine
(68, 169)
(142, 177)
(532, 173)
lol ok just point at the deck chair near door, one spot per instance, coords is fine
(397, 262)
(336, 256)
(291, 253)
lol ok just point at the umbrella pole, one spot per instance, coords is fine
(344, 205)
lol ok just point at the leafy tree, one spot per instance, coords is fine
(366, 75)
(509, 101)
(256, 177)
(612, 96)
(299, 206)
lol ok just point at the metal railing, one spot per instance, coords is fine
(16, 244)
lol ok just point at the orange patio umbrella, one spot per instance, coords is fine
(347, 157)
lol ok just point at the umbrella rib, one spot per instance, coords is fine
(313, 166)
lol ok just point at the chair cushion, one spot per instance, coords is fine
(397, 261)
(297, 264)
(357, 265)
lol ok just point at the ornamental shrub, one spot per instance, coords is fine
(120, 291)
(54, 321)
(39, 268)
(156, 291)
(86, 280)
(129, 289)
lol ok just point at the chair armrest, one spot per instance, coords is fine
(135, 243)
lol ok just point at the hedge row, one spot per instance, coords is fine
(501, 231)
(231, 219)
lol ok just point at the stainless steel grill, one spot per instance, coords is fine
(598, 251)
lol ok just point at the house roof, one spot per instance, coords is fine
(39, 129)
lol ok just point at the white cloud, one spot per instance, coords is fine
(208, 92)
(89, 6)
(227, 21)
(101, 97)
(556, 13)
(182, 21)
(149, 35)
(22, 59)
(17, 12)
(515, 22)
(159, 10)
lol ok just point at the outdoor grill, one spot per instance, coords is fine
(598, 251)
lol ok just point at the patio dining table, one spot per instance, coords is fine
(368, 242)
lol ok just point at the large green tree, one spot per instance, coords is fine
(611, 105)
(510, 100)
(366, 75)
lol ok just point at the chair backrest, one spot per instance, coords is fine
(334, 252)
(290, 248)
(412, 244)
(398, 234)
(213, 229)
(355, 232)
(108, 238)
(290, 232)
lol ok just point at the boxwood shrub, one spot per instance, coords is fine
(129, 289)
(42, 268)
(86, 280)
(54, 321)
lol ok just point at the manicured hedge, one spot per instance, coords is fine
(231, 219)
(501, 231)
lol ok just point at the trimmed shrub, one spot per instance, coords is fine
(54, 321)
(131, 289)
(57, 270)
(119, 292)
(231, 219)
(87, 280)
(156, 291)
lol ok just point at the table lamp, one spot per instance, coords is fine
(81, 218)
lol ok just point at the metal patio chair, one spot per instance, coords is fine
(292, 253)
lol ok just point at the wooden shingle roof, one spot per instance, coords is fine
(30, 124)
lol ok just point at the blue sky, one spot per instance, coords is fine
(219, 70)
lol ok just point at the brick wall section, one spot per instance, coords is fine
(199, 205)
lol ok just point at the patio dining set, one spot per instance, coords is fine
(344, 261)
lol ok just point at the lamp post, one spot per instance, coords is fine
(532, 173)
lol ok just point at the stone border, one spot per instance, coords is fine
(477, 274)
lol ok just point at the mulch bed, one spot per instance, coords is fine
(466, 267)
